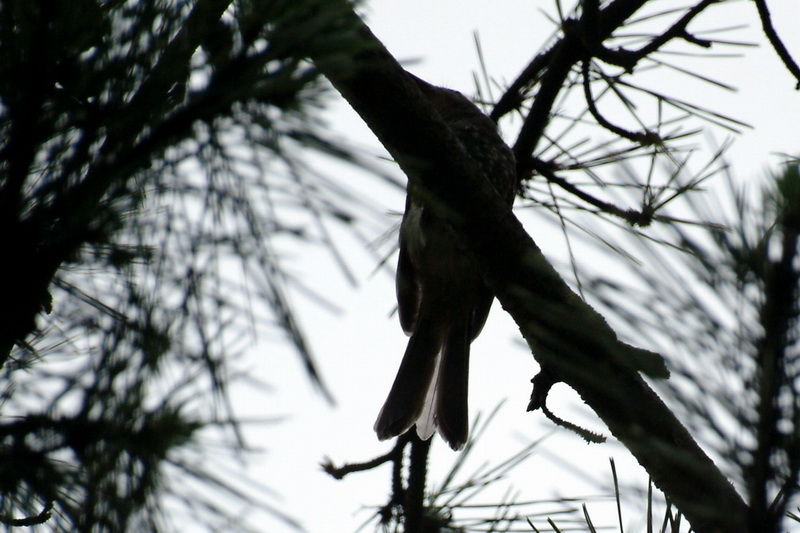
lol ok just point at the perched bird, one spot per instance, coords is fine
(442, 300)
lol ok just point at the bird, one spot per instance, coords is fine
(442, 300)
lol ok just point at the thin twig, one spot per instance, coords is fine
(636, 218)
(645, 138)
(29, 521)
(775, 41)
(340, 472)
(628, 59)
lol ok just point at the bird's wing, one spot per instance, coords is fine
(406, 283)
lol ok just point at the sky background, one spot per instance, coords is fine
(359, 347)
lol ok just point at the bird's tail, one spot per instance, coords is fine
(452, 412)
(406, 399)
(430, 388)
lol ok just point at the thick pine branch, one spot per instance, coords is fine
(564, 333)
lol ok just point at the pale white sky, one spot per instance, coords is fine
(359, 349)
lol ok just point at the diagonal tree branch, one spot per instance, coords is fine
(565, 334)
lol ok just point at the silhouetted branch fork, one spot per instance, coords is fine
(628, 59)
(582, 40)
(550, 70)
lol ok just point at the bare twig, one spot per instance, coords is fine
(628, 59)
(552, 73)
(29, 521)
(341, 471)
(644, 138)
(631, 216)
(775, 41)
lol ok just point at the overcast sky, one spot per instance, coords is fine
(359, 349)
